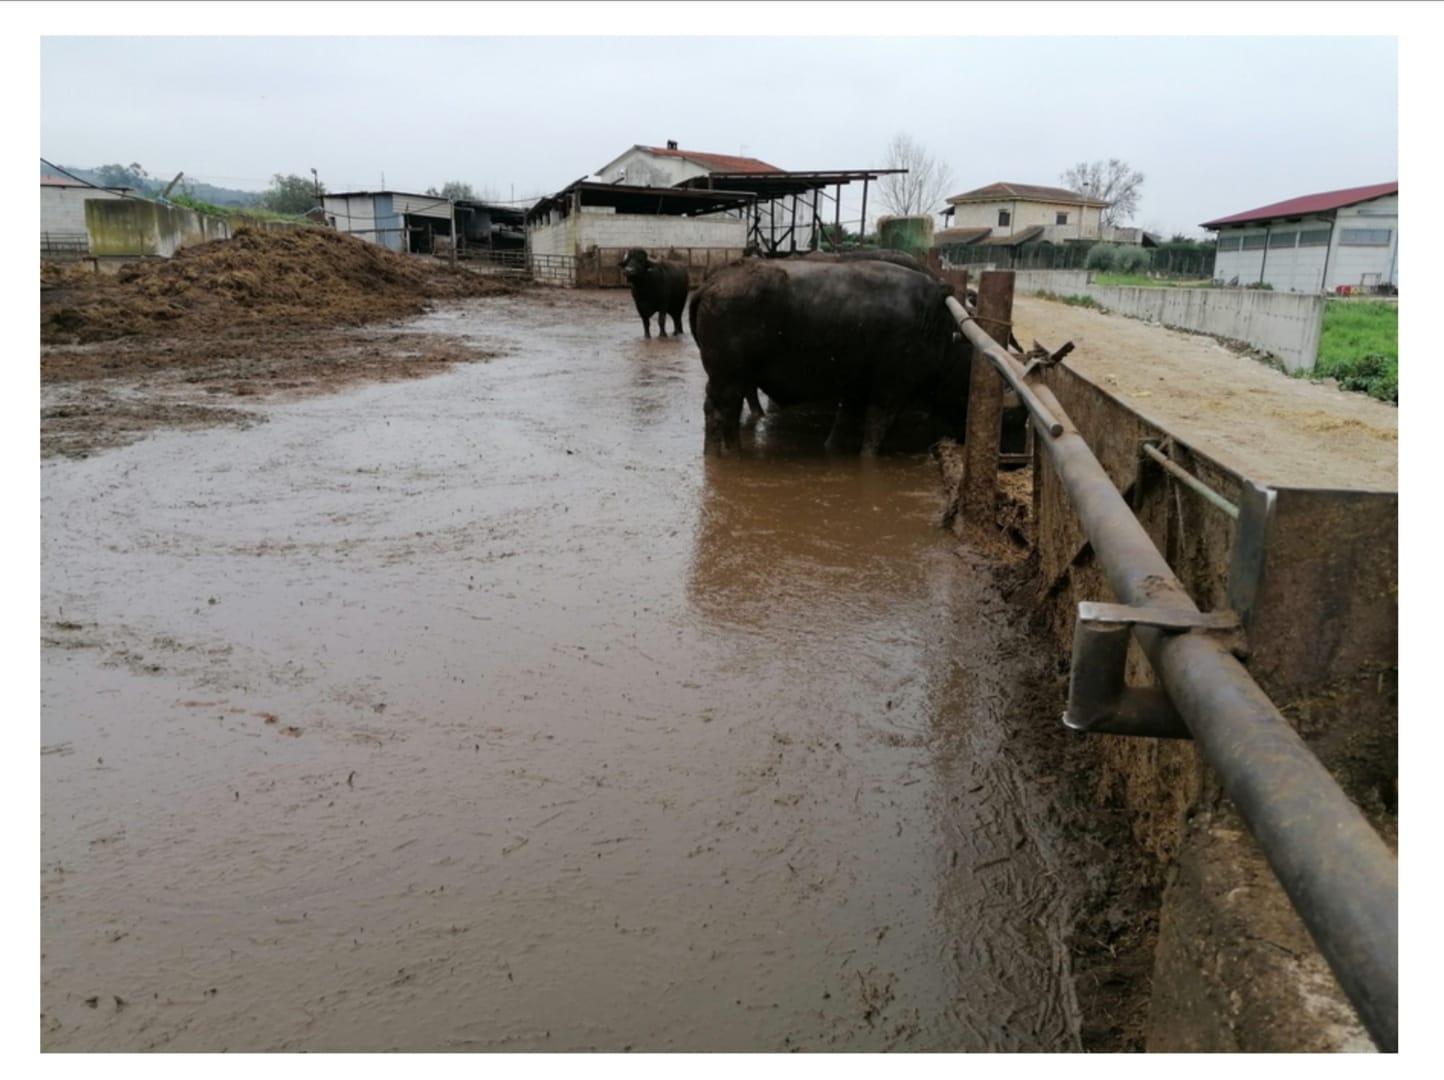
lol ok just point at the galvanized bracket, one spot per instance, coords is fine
(1099, 699)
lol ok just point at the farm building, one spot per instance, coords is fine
(421, 224)
(594, 224)
(1046, 213)
(702, 205)
(62, 213)
(398, 220)
(1330, 241)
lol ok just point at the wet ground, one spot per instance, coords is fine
(481, 712)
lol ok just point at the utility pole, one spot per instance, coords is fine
(453, 234)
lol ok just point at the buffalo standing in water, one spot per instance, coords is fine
(658, 288)
(868, 335)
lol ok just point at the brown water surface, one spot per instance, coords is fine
(481, 712)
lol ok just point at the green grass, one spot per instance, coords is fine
(1144, 279)
(1071, 301)
(203, 207)
(1359, 346)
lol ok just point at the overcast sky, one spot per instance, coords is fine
(1217, 125)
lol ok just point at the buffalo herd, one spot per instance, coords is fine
(868, 333)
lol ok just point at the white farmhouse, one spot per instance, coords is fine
(1026, 212)
(657, 166)
(1330, 241)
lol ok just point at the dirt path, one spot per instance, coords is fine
(1238, 411)
(480, 712)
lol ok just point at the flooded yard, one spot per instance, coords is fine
(481, 712)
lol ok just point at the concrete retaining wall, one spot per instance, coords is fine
(134, 227)
(1284, 324)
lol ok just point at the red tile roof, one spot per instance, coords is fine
(726, 163)
(1029, 192)
(46, 180)
(1308, 204)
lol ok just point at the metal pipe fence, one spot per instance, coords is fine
(1339, 875)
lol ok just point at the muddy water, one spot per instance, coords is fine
(482, 713)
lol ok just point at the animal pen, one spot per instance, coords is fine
(1338, 874)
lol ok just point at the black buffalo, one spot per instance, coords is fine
(658, 288)
(871, 337)
(897, 258)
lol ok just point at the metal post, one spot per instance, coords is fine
(837, 217)
(1339, 875)
(985, 402)
(862, 225)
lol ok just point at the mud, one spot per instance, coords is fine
(480, 712)
(265, 316)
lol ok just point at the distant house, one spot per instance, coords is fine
(1007, 210)
(667, 166)
(62, 213)
(1314, 242)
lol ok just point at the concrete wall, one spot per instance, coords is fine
(657, 230)
(1284, 324)
(594, 227)
(136, 227)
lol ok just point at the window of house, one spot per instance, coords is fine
(1004, 218)
(1255, 241)
(1062, 218)
(1229, 243)
(1282, 240)
(1365, 237)
(1313, 237)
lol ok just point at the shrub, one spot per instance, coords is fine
(1118, 258)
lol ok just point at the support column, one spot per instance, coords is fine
(985, 401)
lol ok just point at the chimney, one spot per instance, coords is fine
(671, 144)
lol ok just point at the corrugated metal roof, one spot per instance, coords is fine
(1308, 204)
(1027, 192)
(716, 162)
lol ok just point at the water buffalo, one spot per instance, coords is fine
(897, 258)
(871, 337)
(658, 288)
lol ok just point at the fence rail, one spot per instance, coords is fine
(1162, 262)
(1337, 872)
(65, 244)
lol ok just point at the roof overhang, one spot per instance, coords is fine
(777, 185)
(631, 199)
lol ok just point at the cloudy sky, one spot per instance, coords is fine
(1216, 124)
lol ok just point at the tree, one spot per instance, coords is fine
(454, 189)
(1113, 181)
(292, 194)
(921, 188)
(131, 176)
